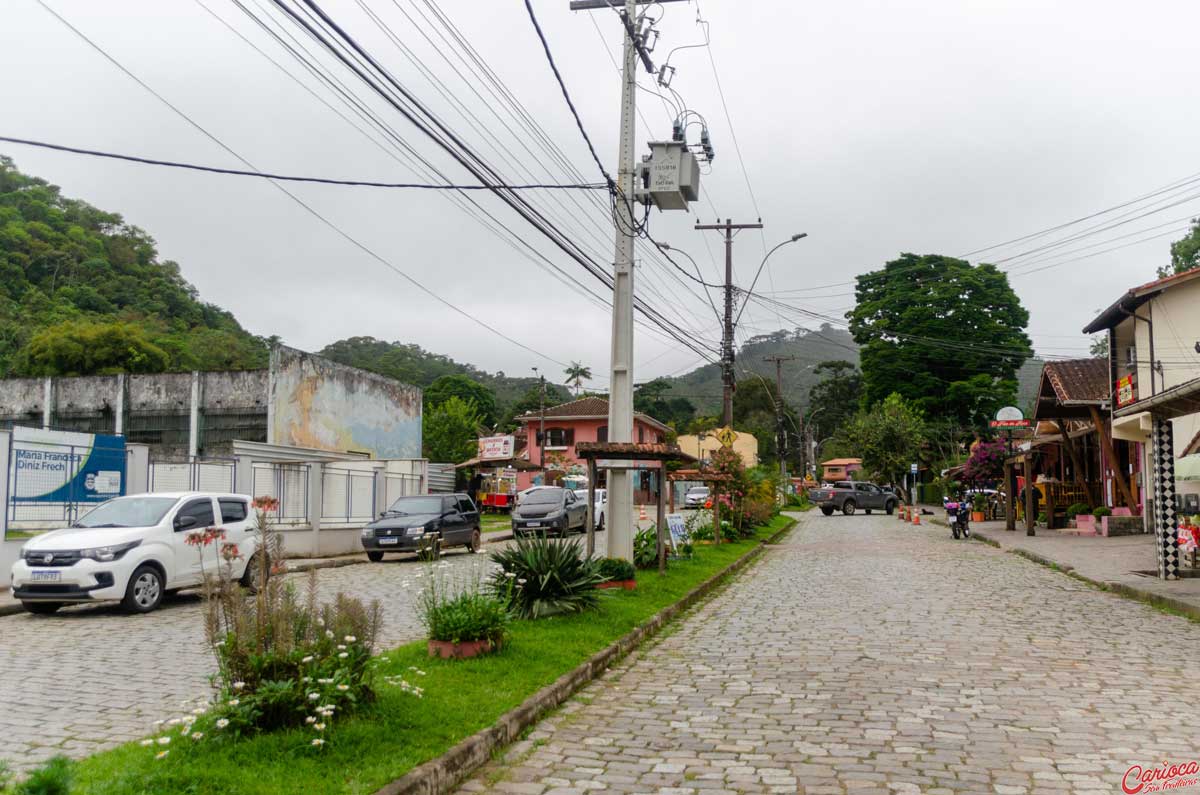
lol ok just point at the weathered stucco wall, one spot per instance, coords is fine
(89, 393)
(162, 391)
(21, 396)
(233, 389)
(321, 404)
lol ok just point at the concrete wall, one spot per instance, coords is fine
(318, 403)
(20, 397)
(234, 389)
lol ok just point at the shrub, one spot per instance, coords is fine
(617, 569)
(282, 660)
(699, 526)
(1101, 512)
(539, 577)
(1078, 509)
(462, 615)
(1041, 517)
(52, 778)
(645, 548)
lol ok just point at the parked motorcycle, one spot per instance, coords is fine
(958, 514)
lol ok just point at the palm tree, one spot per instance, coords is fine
(577, 374)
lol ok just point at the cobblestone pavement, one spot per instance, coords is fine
(866, 656)
(91, 677)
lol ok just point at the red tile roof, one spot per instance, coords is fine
(654, 451)
(588, 408)
(1079, 380)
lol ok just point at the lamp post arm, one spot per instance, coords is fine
(758, 273)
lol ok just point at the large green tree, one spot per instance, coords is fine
(450, 431)
(72, 275)
(1185, 252)
(943, 334)
(654, 398)
(836, 397)
(478, 396)
(888, 438)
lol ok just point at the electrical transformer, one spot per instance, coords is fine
(669, 176)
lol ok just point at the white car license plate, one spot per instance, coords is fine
(385, 541)
(47, 576)
(533, 527)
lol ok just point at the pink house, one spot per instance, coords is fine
(583, 420)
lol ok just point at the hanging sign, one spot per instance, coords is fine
(1010, 423)
(1126, 390)
(496, 448)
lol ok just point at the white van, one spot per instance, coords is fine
(133, 550)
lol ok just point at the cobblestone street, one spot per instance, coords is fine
(867, 656)
(91, 677)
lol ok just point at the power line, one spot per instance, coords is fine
(289, 178)
(293, 197)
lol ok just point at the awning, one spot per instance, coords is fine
(1188, 467)
(519, 464)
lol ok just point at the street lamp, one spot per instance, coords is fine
(758, 273)
(699, 275)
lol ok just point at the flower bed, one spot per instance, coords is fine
(396, 732)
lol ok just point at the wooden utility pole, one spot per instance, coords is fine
(729, 227)
(781, 432)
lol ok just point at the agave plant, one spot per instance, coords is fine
(539, 577)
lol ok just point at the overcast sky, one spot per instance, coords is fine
(876, 127)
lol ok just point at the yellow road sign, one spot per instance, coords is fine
(727, 436)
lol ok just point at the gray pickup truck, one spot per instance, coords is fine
(848, 496)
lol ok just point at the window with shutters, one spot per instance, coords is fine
(641, 434)
(602, 433)
(559, 438)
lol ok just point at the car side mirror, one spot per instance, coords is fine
(184, 522)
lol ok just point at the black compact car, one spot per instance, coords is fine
(552, 510)
(439, 520)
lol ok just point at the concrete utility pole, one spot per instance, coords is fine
(620, 398)
(781, 432)
(727, 334)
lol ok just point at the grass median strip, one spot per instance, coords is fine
(400, 731)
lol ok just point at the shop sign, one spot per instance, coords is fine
(1009, 423)
(1126, 390)
(496, 448)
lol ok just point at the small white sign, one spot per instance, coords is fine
(493, 448)
(678, 530)
(107, 482)
(1009, 413)
(913, 469)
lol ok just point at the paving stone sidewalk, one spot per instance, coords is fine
(866, 656)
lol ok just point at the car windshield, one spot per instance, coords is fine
(128, 512)
(698, 490)
(411, 506)
(544, 497)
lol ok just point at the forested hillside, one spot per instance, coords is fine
(83, 292)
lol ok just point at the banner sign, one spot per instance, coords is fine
(496, 448)
(1010, 423)
(1126, 390)
(677, 529)
(65, 467)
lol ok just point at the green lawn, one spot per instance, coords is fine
(400, 731)
(496, 523)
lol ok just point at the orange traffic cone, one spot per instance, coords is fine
(641, 513)
(916, 516)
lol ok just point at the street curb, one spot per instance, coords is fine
(1188, 610)
(441, 775)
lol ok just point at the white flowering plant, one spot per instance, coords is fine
(460, 612)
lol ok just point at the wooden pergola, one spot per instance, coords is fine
(713, 480)
(651, 456)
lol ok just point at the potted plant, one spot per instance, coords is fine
(462, 622)
(620, 574)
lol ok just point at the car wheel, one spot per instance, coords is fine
(249, 579)
(374, 556)
(867, 511)
(891, 508)
(144, 591)
(41, 608)
(827, 511)
(848, 507)
(475, 543)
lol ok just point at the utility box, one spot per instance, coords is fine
(669, 176)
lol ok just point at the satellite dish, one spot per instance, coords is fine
(1009, 413)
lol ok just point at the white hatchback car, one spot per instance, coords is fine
(133, 549)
